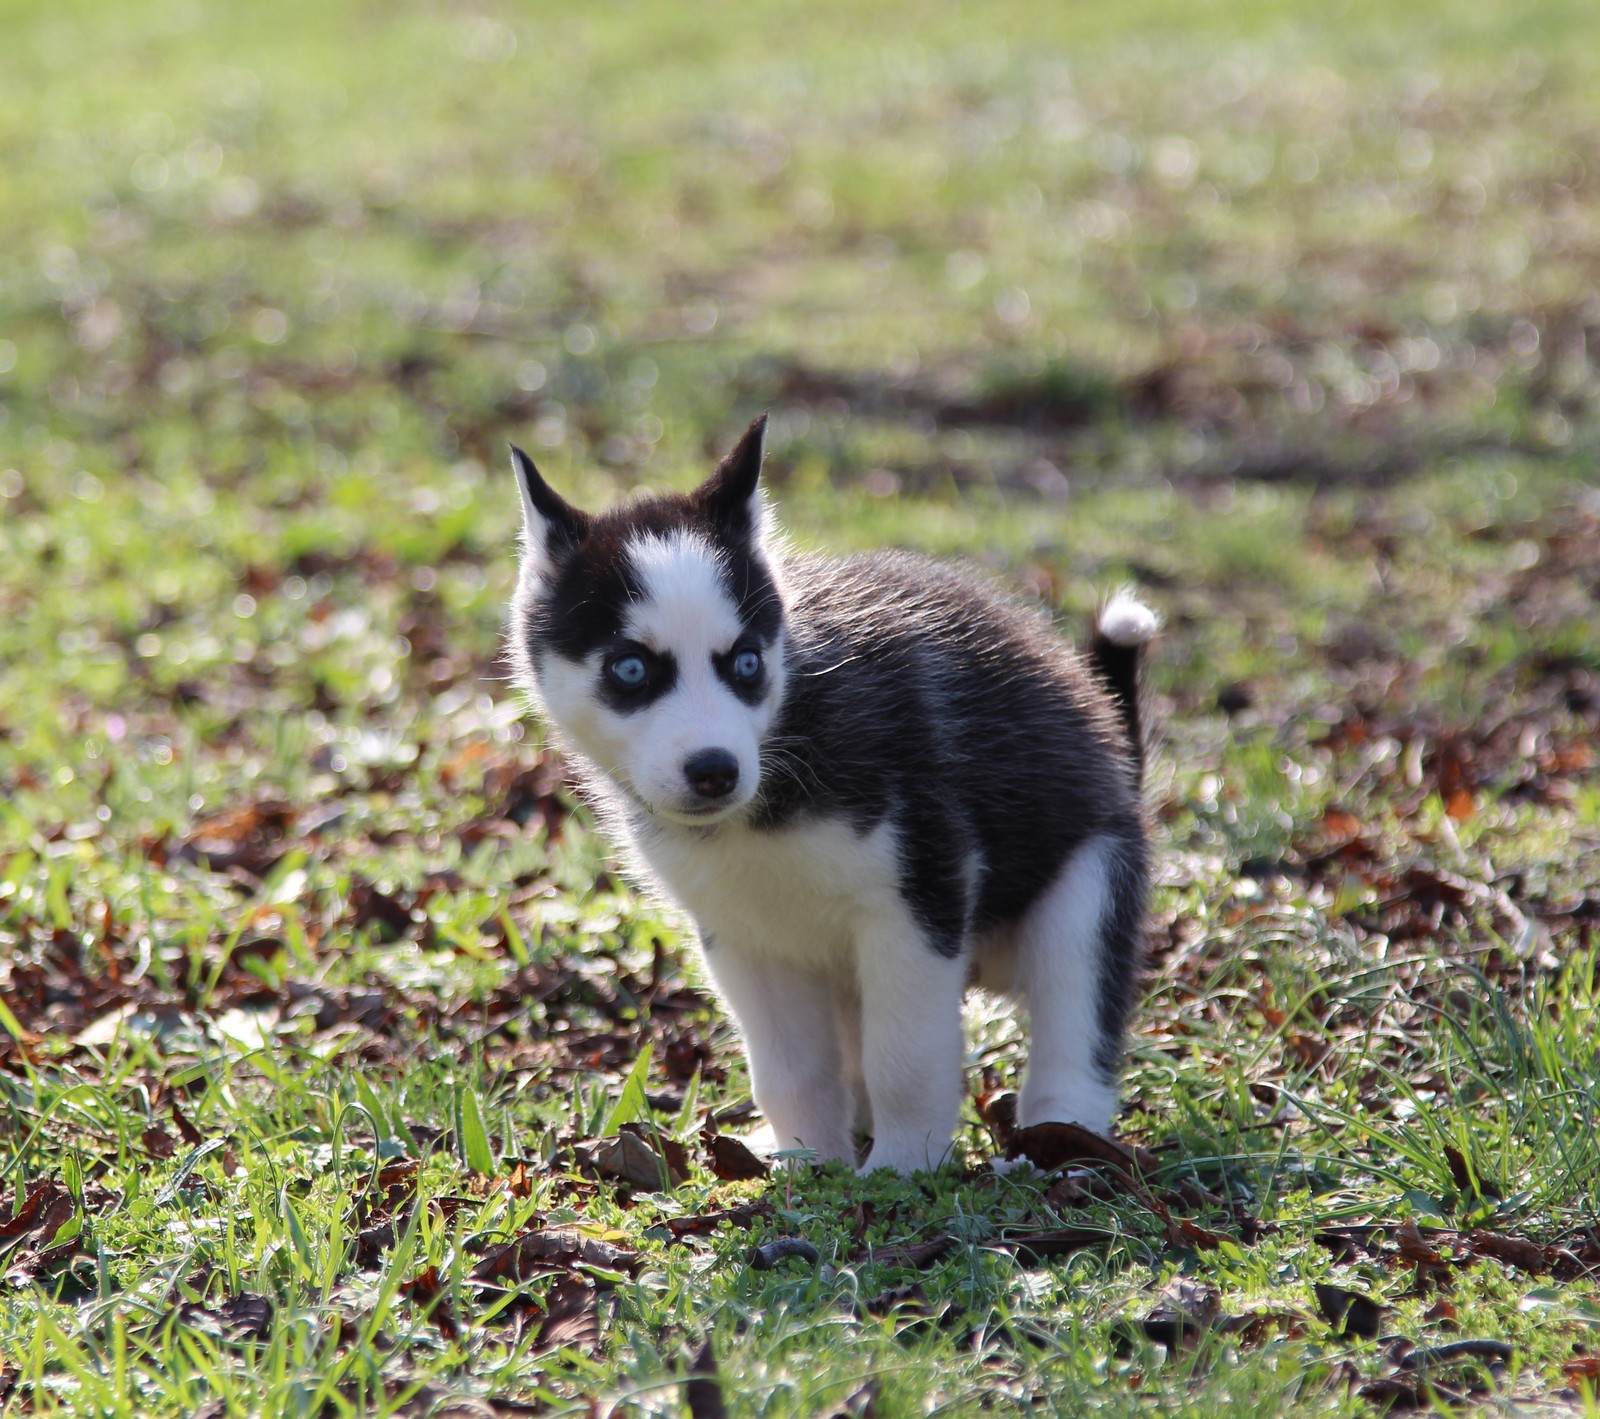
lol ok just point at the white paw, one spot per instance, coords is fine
(906, 1155)
(763, 1141)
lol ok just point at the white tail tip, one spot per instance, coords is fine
(1126, 620)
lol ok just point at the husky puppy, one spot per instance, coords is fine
(870, 781)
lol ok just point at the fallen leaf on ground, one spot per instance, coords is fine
(731, 1159)
(428, 1292)
(242, 1318)
(1349, 1312)
(534, 1253)
(44, 1211)
(918, 1254)
(571, 1317)
(632, 1159)
(372, 1242)
(1416, 1249)
(1582, 1369)
(1252, 1327)
(1053, 1145)
(1078, 1188)
(397, 1181)
(1513, 1251)
(703, 1391)
(1181, 1232)
(701, 1224)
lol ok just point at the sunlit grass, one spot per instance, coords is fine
(1284, 317)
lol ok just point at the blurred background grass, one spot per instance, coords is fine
(1236, 299)
(323, 260)
(388, 234)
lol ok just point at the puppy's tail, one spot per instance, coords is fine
(1121, 631)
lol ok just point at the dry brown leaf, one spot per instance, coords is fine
(633, 1159)
(1460, 1173)
(917, 1254)
(1077, 1189)
(245, 1318)
(1252, 1327)
(703, 1223)
(535, 1253)
(1416, 1249)
(372, 1242)
(158, 1142)
(428, 1292)
(731, 1159)
(1053, 1145)
(571, 1317)
(1340, 823)
(1513, 1251)
(1181, 1232)
(186, 1130)
(703, 1390)
(1582, 1370)
(44, 1210)
(397, 1181)
(1349, 1312)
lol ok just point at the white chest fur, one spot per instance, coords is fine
(799, 894)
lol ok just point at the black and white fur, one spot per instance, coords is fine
(921, 786)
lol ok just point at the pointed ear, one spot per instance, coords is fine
(731, 495)
(551, 527)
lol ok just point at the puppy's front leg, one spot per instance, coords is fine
(911, 1045)
(788, 1020)
(847, 1020)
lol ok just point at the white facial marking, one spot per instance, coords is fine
(684, 611)
(685, 605)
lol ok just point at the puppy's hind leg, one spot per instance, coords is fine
(1076, 971)
(789, 1022)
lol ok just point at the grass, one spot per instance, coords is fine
(317, 989)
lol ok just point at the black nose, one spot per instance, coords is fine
(712, 773)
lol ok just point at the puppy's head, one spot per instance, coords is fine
(651, 635)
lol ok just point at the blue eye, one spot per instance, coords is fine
(627, 671)
(747, 665)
